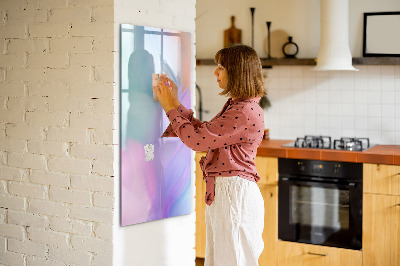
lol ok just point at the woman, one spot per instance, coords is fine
(235, 207)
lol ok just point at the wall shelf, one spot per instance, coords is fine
(312, 61)
(376, 61)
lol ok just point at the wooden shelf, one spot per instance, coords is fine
(268, 63)
(288, 62)
(312, 61)
(376, 61)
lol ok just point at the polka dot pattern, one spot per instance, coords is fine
(231, 139)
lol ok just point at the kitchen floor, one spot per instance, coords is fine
(199, 262)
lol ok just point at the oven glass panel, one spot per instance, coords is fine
(317, 207)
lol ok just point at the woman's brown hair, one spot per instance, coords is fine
(245, 78)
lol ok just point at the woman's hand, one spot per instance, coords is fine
(164, 95)
(174, 89)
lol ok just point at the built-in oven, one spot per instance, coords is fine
(320, 202)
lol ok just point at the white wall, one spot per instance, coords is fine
(299, 18)
(56, 120)
(169, 241)
(338, 104)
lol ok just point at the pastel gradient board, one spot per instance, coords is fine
(155, 171)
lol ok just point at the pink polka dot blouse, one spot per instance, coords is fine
(231, 139)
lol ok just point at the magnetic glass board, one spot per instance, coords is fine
(155, 171)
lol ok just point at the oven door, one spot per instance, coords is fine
(320, 212)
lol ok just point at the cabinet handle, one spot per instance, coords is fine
(398, 204)
(318, 254)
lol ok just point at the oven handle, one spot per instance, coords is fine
(297, 181)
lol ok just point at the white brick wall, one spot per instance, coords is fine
(58, 132)
(56, 126)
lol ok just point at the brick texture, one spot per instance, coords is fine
(58, 145)
(51, 104)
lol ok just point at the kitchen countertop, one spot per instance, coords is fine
(379, 154)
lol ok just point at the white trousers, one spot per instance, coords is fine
(234, 223)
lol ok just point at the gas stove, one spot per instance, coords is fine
(325, 142)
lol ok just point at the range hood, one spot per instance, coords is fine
(334, 51)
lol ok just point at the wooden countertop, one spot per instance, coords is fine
(379, 154)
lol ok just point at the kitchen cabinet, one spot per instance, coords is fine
(200, 209)
(381, 230)
(381, 221)
(381, 215)
(267, 168)
(298, 254)
(270, 233)
(381, 179)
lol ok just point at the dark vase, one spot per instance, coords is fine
(290, 49)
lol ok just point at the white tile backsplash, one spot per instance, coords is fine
(387, 124)
(322, 109)
(387, 72)
(322, 95)
(310, 109)
(361, 125)
(347, 123)
(347, 110)
(374, 123)
(374, 110)
(374, 83)
(361, 110)
(374, 97)
(348, 95)
(388, 83)
(397, 72)
(365, 103)
(388, 110)
(335, 95)
(388, 97)
(389, 135)
(397, 123)
(322, 121)
(397, 95)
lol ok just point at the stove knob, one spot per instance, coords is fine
(336, 169)
(302, 167)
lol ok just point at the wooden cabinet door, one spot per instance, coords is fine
(297, 254)
(200, 209)
(267, 168)
(381, 230)
(270, 233)
(381, 179)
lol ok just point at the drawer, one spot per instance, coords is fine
(293, 254)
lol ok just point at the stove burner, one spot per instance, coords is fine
(324, 142)
(308, 141)
(351, 144)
